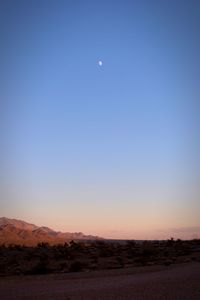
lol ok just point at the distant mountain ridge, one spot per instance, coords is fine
(18, 232)
(17, 223)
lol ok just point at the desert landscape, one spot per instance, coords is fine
(97, 268)
(99, 156)
(22, 252)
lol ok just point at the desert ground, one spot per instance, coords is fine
(101, 270)
(177, 281)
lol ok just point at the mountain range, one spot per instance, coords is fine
(18, 232)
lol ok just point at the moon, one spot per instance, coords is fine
(100, 63)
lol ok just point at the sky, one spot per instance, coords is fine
(107, 149)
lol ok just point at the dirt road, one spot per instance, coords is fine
(176, 282)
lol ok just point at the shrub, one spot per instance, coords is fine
(76, 266)
(40, 269)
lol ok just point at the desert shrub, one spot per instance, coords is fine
(105, 252)
(63, 266)
(16, 247)
(149, 250)
(131, 244)
(168, 262)
(29, 254)
(73, 245)
(13, 260)
(77, 246)
(94, 258)
(61, 253)
(106, 249)
(166, 252)
(3, 268)
(171, 241)
(42, 267)
(43, 245)
(120, 261)
(140, 261)
(76, 266)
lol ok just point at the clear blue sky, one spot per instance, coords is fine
(111, 149)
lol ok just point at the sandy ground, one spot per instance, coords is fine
(179, 282)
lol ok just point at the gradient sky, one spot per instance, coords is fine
(109, 150)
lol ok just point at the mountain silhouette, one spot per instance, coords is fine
(18, 232)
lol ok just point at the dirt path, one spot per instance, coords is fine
(176, 282)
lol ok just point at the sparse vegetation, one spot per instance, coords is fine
(94, 255)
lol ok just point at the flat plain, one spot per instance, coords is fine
(174, 282)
